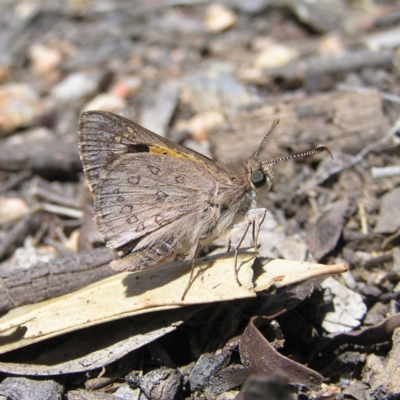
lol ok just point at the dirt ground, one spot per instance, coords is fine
(212, 77)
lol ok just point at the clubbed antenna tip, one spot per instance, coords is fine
(317, 150)
(320, 149)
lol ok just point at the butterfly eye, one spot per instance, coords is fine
(258, 178)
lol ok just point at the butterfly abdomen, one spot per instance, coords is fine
(145, 257)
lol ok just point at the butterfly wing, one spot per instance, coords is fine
(104, 137)
(145, 187)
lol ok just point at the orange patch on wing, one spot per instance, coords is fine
(171, 153)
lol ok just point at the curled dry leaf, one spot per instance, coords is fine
(262, 359)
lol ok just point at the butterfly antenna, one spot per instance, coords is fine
(274, 124)
(317, 150)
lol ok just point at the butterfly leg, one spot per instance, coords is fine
(251, 216)
(237, 250)
(255, 237)
(196, 253)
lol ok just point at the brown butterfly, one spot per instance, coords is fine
(155, 199)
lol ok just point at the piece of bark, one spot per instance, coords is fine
(86, 395)
(159, 384)
(212, 374)
(50, 157)
(207, 366)
(260, 387)
(334, 64)
(231, 377)
(386, 385)
(54, 278)
(28, 389)
(358, 241)
(323, 236)
(344, 121)
(389, 214)
(356, 390)
(376, 314)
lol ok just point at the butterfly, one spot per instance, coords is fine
(155, 199)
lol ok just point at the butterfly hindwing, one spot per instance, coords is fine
(143, 192)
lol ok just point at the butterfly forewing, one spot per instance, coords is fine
(104, 137)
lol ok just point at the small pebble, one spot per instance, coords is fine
(275, 56)
(219, 18)
(75, 87)
(127, 86)
(349, 308)
(44, 59)
(106, 102)
(202, 124)
(12, 209)
(20, 105)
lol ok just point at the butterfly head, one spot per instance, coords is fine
(261, 175)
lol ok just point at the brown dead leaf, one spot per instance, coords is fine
(262, 359)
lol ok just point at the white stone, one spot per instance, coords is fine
(349, 308)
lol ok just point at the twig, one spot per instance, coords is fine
(363, 217)
(384, 172)
(66, 211)
(15, 180)
(18, 232)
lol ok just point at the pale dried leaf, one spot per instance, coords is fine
(128, 294)
(97, 346)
